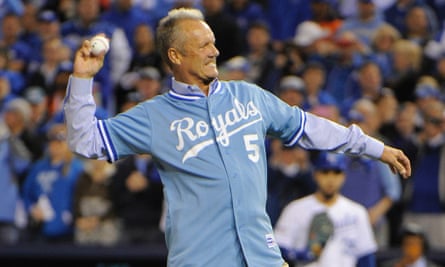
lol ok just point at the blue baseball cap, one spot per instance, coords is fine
(330, 161)
(47, 16)
(426, 90)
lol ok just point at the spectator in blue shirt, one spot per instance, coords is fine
(48, 190)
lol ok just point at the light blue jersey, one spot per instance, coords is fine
(210, 153)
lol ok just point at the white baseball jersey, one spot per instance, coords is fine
(352, 238)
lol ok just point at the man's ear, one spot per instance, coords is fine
(174, 56)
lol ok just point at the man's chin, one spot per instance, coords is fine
(211, 77)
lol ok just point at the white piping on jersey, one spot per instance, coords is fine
(191, 92)
(300, 131)
(185, 97)
(105, 138)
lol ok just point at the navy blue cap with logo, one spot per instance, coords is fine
(327, 161)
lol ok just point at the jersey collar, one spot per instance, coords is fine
(185, 91)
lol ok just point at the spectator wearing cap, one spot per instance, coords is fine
(314, 77)
(292, 90)
(148, 84)
(48, 190)
(11, 6)
(414, 248)
(351, 242)
(314, 41)
(426, 93)
(236, 68)
(426, 194)
(49, 24)
(309, 32)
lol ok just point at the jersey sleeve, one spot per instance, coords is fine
(295, 126)
(79, 108)
(282, 120)
(127, 133)
(323, 134)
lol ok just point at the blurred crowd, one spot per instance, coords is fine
(379, 64)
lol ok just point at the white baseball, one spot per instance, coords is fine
(99, 44)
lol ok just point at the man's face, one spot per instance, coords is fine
(412, 247)
(197, 54)
(329, 182)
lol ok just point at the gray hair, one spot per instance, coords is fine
(167, 32)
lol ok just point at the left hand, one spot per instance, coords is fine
(397, 161)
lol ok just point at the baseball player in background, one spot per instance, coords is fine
(207, 138)
(326, 229)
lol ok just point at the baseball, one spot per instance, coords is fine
(99, 44)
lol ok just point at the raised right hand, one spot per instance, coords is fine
(86, 65)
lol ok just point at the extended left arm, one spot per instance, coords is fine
(323, 134)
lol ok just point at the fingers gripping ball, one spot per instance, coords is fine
(99, 45)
